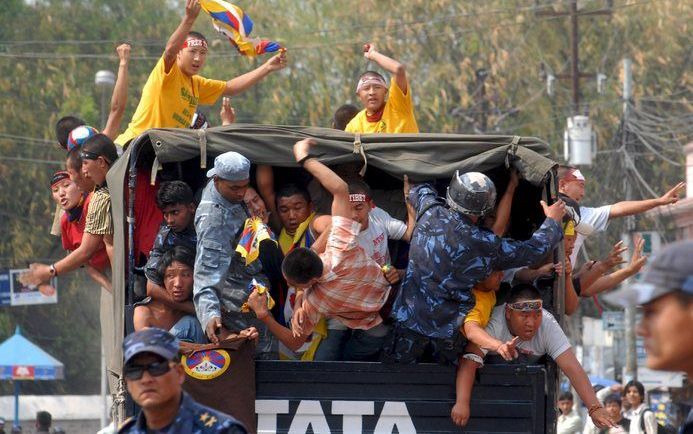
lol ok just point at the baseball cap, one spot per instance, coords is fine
(230, 166)
(150, 340)
(670, 270)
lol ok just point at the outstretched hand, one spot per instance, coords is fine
(302, 148)
(277, 62)
(192, 9)
(123, 51)
(672, 196)
(227, 113)
(508, 350)
(460, 413)
(601, 418)
(297, 321)
(615, 256)
(637, 261)
(213, 329)
(555, 211)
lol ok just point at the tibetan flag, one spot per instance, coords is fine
(254, 232)
(232, 22)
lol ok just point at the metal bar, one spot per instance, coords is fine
(575, 68)
(132, 183)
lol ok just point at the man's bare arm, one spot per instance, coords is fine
(626, 208)
(325, 176)
(505, 205)
(244, 82)
(177, 39)
(120, 94)
(390, 65)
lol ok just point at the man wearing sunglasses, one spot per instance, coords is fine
(154, 378)
(97, 154)
(522, 329)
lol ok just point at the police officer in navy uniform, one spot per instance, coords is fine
(154, 378)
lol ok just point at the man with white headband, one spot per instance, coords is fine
(396, 115)
(571, 182)
(174, 88)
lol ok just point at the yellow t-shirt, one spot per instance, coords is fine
(398, 115)
(481, 312)
(170, 100)
(303, 237)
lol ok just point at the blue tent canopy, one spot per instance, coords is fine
(20, 359)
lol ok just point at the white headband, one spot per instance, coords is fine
(370, 79)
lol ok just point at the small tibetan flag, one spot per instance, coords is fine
(254, 232)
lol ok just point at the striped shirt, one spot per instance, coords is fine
(352, 288)
(99, 219)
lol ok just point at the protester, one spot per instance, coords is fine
(521, 328)
(571, 182)
(222, 278)
(612, 403)
(154, 376)
(175, 200)
(343, 282)
(394, 115)
(227, 113)
(448, 255)
(377, 227)
(75, 205)
(611, 280)
(175, 271)
(174, 88)
(343, 115)
(43, 422)
(569, 421)
(98, 154)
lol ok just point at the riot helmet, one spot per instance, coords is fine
(471, 193)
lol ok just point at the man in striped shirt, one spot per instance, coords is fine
(343, 282)
(98, 155)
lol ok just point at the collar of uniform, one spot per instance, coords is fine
(141, 422)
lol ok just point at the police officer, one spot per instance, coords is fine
(154, 378)
(665, 293)
(222, 277)
(449, 253)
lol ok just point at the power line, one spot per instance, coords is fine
(33, 160)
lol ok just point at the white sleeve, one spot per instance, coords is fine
(496, 325)
(395, 228)
(553, 339)
(598, 218)
(650, 422)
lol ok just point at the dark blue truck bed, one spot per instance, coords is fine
(353, 397)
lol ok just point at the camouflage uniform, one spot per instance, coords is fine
(192, 418)
(221, 276)
(447, 257)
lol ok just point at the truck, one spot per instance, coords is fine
(352, 397)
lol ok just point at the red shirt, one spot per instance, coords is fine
(72, 231)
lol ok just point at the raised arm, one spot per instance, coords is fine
(120, 94)
(500, 226)
(609, 281)
(578, 379)
(177, 39)
(626, 208)
(390, 65)
(325, 176)
(249, 79)
(258, 303)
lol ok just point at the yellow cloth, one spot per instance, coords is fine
(398, 115)
(287, 241)
(481, 312)
(170, 100)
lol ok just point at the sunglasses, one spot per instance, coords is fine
(526, 306)
(155, 369)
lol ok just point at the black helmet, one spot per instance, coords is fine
(471, 193)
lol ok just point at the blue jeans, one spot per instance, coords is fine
(188, 329)
(352, 345)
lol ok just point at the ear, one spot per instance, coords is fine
(180, 372)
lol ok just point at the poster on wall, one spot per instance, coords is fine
(23, 294)
(5, 294)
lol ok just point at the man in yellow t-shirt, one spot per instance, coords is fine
(173, 89)
(396, 115)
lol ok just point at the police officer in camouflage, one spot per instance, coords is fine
(222, 278)
(449, 253)
(154, 378)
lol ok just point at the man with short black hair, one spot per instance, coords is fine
(154, 378)
(569, 421)
(43, 422)
(521, 328)
(343, 115)
(174, 89)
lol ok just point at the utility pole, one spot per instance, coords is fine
(575, 74)
(631, 371)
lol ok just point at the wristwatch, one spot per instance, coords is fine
(53, 271)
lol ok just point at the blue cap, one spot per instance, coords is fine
(230, 166)
(150, 340)
(670, 270)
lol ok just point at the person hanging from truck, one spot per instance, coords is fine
(75, 205)
(343, 282)
(98, 155)
(571, 182)
(176, 203)
(377, 227)
(449, 253)
(222, 279)
(175, 272)
(520, 328)
(384, 111)
(174, 89)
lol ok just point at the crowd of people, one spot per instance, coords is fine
(306, 269)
